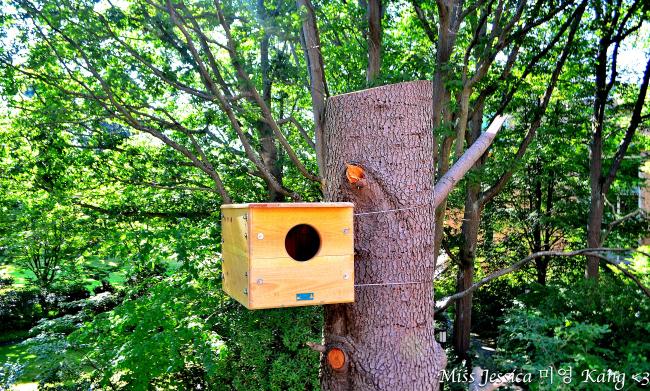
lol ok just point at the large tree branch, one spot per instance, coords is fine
(120, 107)
(631, 129)
(465, 163)
(157, 72)
(203, 39)
(318, 85)
(247, 84)
(498, 186)
(205, 75)
(422, 17)
(226, 107)
(492, 87)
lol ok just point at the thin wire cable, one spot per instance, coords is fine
(391, 210)
(395, 283)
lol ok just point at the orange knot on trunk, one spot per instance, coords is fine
(336, 359)
(356, 175)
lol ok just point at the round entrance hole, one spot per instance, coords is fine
(302, 242)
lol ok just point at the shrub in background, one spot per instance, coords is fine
(19, 308)
(583, 325)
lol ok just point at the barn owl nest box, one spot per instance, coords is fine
(288, 254)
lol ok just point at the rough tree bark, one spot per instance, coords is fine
(387, 335)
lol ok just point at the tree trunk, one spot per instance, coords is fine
(387, 335)
(542, 263)
(535, 209)
(467, 254)
(594, 229)
(442, 114)
(374, 12)
(310, 41)
(596, 204)
(541, 267)
(269, 149)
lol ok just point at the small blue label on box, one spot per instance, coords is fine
(304, 296)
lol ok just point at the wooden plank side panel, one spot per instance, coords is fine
(276, 282)
(235, 277)
(334, 225)
(234, 230)
(235, 253)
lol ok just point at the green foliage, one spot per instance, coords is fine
(19, 308)
(584, 325)
(183, 333)
(9, 373)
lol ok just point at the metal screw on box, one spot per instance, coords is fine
(245, 291)
(260, 236)
(346, 231)
(346, 276)
(260, 281)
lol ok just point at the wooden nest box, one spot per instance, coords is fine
(288, 254)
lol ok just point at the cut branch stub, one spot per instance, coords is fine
(356, 175)
(336, 359)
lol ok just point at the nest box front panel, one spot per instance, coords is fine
(301, 256)
(280, 282)
(271, 236)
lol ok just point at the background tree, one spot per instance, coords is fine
(613, 23)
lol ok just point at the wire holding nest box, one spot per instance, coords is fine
(288, 254)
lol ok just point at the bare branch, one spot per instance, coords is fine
(621, 220)
(631, 129)
(447, 301)
(473, 153)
